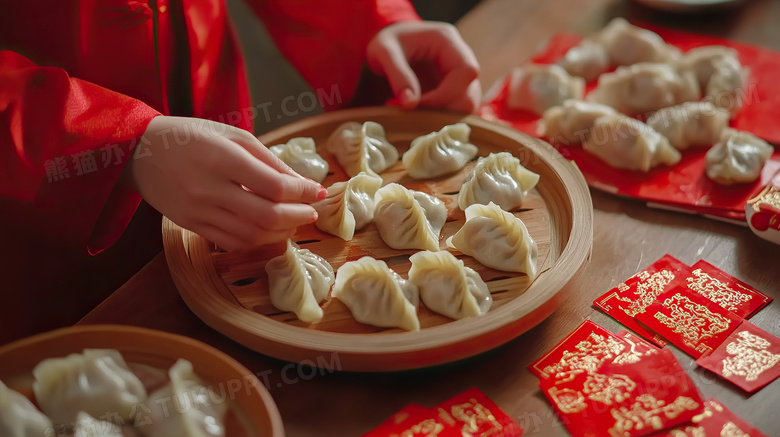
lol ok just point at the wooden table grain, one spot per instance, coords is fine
(628, 236)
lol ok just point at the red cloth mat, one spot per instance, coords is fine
(684, 185)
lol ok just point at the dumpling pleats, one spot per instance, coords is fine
(408, 219)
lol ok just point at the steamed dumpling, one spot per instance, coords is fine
(301, 155)
(447, 286)
(627, 143)
(627, 44)
(588, 60)
(19, 417)
(408, 219)
(727, 85)
(88, 426)
(186, 407)
(362, 148)
(95, 381)
(439, 153)
(497, 239)
(570, 123)
(645, 87)
(537, 87)
(737, 158)
(701, 61)
(498, 178)
(377, 295)
(691, 124)
(348, 206)
(298, 281)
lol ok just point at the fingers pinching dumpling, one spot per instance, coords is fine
(645, 87)
(376, 295)
(447, 286)
(497, 239)
(439, 153)
(571, 122)
(204, 415)
(19, 417)
(301, 155)
(627, 44)
(691, 124)
(408, 219)
(95, 381)
(362, 148)
(627, 143)
(298, 281)
(537, 87)
(498, 178)
(737, 158)
(348, 206)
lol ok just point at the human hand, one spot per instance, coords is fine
(220, 182)
(397, 47)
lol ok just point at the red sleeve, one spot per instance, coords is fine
(326, 40)
(63, 146)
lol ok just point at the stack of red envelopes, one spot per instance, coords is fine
(703, 311)
(602, 384)
(469, 414)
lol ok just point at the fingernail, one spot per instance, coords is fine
(406, 96)
(314, 218)
(323, 193)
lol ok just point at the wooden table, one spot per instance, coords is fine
(627, 237)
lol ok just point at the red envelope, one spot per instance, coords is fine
(582, 351)
(715, 421)
(632, 297)
(689, 320)
(633, 399)
(638, 345)
(683, 185)
(473, 414)
(723, 289)
(749, 357)
(414, 421)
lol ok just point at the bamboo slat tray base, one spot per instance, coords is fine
(229, 290)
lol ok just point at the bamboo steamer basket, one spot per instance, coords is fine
(251, 410)
(229, 290)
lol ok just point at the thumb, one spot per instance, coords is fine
(387, 57)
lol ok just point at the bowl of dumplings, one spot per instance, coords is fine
(441, 236)
(124, 381)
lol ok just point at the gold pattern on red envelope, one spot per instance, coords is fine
(767, 199)
(725, 290)
(749, 357)
(473, 414)
(583, 351)
(648, 413)
(715, 421)
(690, 321)
(632, 297)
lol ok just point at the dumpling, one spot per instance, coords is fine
(570, 123)
(701, 61)
(88, 426)
(645, 87)
(362, 148)
(447, 286)
(185, 407)
(377, 295)
(94, 382)
(301, 155)
(737, 158)
(19, 417)
(408, 219)
(536, 87)
(624, 142)
(691, 124)
(439, 153)
(497, 239)
(298, 281)
(348, 206)
(627, 44)
(588, 60)
(727, 85)
(498, 178)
